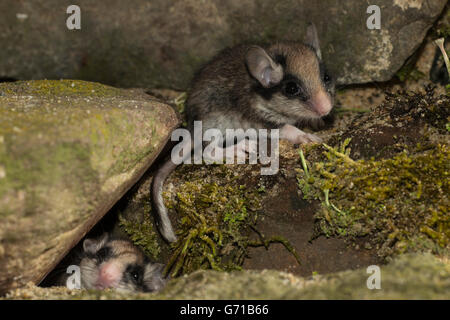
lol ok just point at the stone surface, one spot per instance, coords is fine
(407, 277)
(410, 277)
(162, 43)
(68, 151)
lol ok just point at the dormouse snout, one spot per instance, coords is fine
(321, 103)
(109, 275)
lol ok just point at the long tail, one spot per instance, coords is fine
(160, 211)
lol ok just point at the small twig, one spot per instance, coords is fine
(303, 160)
(440, 43)
(212, 263)
(172, 261)
(329, 204)
(326, 191)
(276, 239)
(180, 99)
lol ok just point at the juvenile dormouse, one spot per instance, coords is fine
(118, 264)
(107, 262)
(273, 87)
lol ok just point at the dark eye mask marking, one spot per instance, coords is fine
(134, 273)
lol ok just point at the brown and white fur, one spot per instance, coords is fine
(118, 264)
(108, 262)
(248, 86)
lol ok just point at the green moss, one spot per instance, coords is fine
(442, 29)
(215, 216)
(409, 71)
(412, 276)
(180, 103)
(400, 203)
(54, 88)
(142, 234)
(217, 213)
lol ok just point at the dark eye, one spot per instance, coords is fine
(326, 78)
(291, 88)
(135, 276)
(135, 273)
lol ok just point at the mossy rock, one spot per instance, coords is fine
(386, 178)
(407, 277)
(68, 151)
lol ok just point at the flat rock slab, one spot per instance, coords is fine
(68, 151)
(418, 276)
(161, 43)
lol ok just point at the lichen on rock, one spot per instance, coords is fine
(412, 276)
(68, 150)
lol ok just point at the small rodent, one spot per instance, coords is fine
(274, 87)
(108, 262)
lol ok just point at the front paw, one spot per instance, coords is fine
(297, 136)
(308, 138)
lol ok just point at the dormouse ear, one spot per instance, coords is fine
(93, 245)
(312, 39)
(263, 68)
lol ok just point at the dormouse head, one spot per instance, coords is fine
(292, 82)
(118, 264)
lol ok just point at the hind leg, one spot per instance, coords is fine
(239, 150)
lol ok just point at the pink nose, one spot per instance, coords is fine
(321, 103)
(109, 275)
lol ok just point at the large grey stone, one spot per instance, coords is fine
(420, 276)
(163, 42)
(68, 151)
